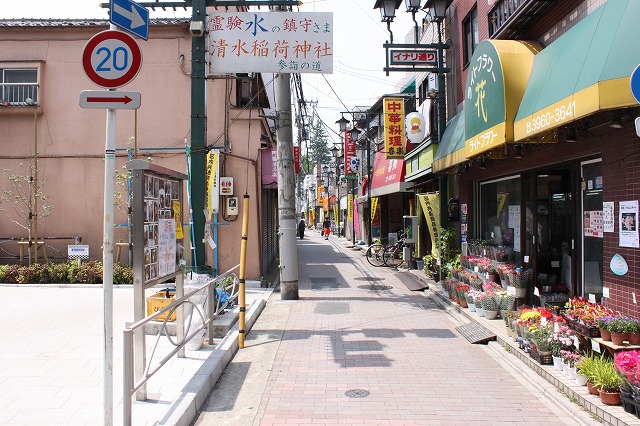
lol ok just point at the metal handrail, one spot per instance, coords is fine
(129, 385)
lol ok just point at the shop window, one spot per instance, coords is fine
(19, 86)
(500, 210)
(470, 30)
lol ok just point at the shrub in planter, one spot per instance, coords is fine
(90, 272)
(30, 274)
(122, 274)
(11, 274)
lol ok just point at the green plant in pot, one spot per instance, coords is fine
(608, 381)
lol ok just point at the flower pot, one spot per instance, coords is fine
(490, 314)
(479, 311)
(572, 373)
(634, 338)
(471, 307)
(618, 338)
(521, 292)
(610, 398)
(565, 369)
(593, 389)
(557, 362)
(463, 302)
(581, 379)
(605, 334)
(419, 265)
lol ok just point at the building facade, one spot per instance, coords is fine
(42, 123)
(540, 147)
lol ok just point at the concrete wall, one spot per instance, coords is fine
(71, 140)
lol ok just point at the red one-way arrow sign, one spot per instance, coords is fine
(102, 99)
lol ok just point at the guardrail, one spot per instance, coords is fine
(209, 298)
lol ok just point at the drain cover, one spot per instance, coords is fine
(357, 393)
(375, 287)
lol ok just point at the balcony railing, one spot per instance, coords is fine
(18, 94)
(511, 19)
(502, 12)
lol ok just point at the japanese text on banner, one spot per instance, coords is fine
(394, 127)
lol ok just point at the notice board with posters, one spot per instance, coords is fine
(157, 222)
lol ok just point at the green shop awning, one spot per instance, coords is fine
(451, 149)
(585, 70)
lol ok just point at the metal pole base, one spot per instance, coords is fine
(289, 290)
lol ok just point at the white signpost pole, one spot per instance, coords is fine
(107, 263)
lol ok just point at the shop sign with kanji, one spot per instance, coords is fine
(270, 42)
(414, 57)
(394, 127)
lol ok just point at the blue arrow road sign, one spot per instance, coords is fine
(130, 16)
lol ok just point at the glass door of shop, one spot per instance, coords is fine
(553, 231)
(592, 229)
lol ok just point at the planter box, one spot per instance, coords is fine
(582, 329)
(630, 405)
(544, 359)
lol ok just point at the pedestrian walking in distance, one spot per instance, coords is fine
(301, 227)
(326, 225)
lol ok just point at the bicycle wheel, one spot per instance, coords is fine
(392, 256)
(374, 255)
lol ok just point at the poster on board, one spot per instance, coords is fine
(628, 220)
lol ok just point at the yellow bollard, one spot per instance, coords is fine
(243, 264)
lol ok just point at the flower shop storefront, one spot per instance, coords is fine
(546, 174)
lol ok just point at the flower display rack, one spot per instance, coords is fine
(542, 359)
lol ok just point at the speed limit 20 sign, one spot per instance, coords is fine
(111, 59)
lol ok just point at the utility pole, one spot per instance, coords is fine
(198, 130)
(286, 191)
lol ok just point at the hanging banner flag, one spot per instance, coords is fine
(374, 206)
(213, 181)
(394, 135)
(349, 153)
(296, 159)
(177, 216)
(336, 215)
(350, 207)
(431, 208)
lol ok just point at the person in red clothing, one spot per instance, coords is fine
(326, 226)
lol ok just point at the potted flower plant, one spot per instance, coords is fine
(603, 325)
(540, 336)
(619, 328)
(490, 304)
(634, 331)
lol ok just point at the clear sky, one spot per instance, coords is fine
(357, 79)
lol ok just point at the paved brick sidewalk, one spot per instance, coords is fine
(358, 330)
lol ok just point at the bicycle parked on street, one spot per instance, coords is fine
(385, 255)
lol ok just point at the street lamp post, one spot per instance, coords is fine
(437, 10)
(355, 133)
(337, 155)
